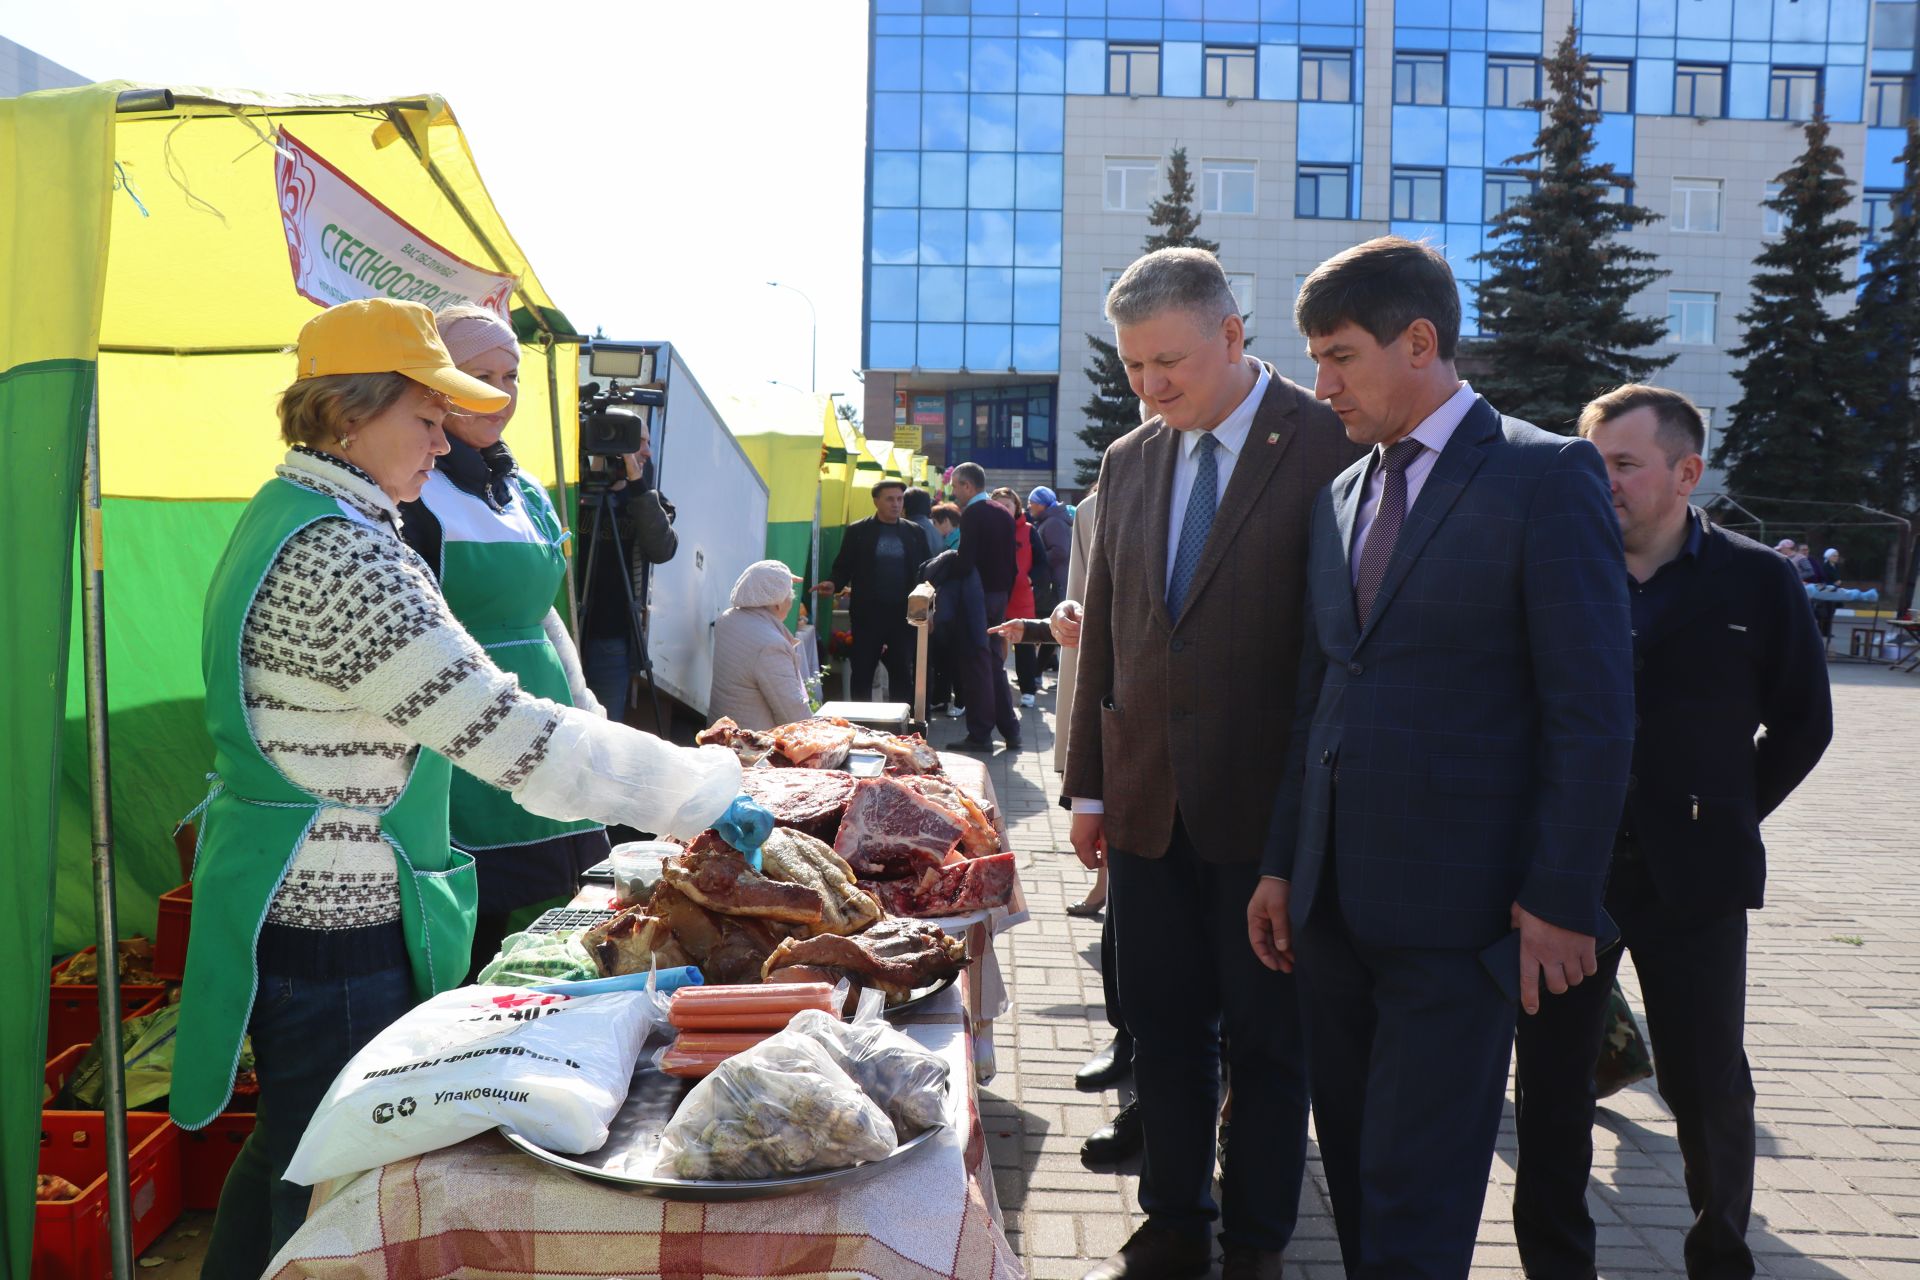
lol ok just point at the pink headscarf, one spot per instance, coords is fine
(471, 331)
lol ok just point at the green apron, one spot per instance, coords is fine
(255, 821)
(500, 573)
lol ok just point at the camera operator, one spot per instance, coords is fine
(644, 520)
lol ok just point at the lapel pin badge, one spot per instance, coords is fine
(1273, 437)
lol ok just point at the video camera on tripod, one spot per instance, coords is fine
(613, 423)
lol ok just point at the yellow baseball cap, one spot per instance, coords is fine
(385, 335)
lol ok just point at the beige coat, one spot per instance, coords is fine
(1070, 658)
(757, 675)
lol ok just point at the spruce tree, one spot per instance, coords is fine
(1556, 296)
(1791, 435)
(1112, 409)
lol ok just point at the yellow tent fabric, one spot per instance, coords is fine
(783, 432)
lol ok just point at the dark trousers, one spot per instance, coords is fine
(883, 629)
(304, 1031)
(1693, 975)
(983, 679)
(1189, 979)
(1110, 974)
(1026, 667)
(1409, 1058)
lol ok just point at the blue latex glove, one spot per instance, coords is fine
(746, 825)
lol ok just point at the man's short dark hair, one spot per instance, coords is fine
(889, 483)
(1680, 432)
(1383, 286)
(974, 474)
(918, 502)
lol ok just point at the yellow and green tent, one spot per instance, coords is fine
(147, 278)
(836, 487)
(783, 432)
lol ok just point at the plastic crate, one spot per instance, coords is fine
(170, 935)
(70, 1236)
(73, 1012)
(206, 1155)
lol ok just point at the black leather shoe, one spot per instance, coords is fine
(973, 745)
(1013, 746)
(1108, 1067)
(1118, 1140)
(1158, 1253)
(1250, 1264)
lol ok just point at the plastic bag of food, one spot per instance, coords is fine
(906, 1079)
(780, 1108)
(536, 959)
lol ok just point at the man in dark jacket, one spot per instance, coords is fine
(879, 562)
(1724, 645)
(986, 548)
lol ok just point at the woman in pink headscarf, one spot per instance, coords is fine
(491, 536)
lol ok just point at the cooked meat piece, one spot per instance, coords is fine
(809, 800)
(955, 889)
(798, 858)
(805, 973)
(819, 743)
(981, 838)
(910, 755)
(895, 955)
(633, 942)
(718, 878)
(892, 830)
(751, 745)
(726, 948)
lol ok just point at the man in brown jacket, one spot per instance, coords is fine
(1182, 706)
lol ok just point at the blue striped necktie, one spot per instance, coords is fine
(1197, 523)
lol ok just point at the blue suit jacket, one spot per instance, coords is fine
(1480, 728)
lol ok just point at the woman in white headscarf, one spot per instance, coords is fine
(759, 678)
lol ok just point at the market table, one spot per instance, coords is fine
(482, 1208)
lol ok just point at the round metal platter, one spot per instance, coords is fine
(920, 996)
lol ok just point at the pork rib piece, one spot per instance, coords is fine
(980, 838)
(809, 800)
(891, 830)
(819, 743)
(955, 889)
(895, 955)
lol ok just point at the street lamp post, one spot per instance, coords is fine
(813, 366)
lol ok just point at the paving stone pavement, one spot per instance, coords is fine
(1833, 1032)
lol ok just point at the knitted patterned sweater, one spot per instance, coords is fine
(351, 661)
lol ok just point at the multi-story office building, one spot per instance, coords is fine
(24, 71)
(1014, 146)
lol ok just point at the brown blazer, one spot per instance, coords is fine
(1195, 717)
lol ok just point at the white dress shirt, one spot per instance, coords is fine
(1433, 432)
(1231, 436)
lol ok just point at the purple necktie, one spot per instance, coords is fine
(1385, 529)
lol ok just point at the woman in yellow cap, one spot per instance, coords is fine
(492, 538)
(340, 693)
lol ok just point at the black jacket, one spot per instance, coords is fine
(853, 567)
(1739, 653)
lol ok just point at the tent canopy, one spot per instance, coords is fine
(784, 432)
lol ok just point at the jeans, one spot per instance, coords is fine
(607, 662)
(304, 1031)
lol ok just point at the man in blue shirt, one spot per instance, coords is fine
(1723, 645)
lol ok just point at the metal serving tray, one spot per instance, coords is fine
(920, 996)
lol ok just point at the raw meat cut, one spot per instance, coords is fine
(819, 743)
(714, 875)
(895, 955)
(891, 830)
(809, 800)
(955, 889)
(980, 838)
(798, 858)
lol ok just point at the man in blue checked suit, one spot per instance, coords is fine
(1440, 842)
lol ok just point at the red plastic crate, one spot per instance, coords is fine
(70, 1236)
(61, 1065)
(73, 1012)
(170, 935)
(206, 1155)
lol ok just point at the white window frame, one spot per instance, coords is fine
(1680, 303)
(1144, 170)
(1242, 283)
(1213, 185)
(1772, 221)
(1689, 196)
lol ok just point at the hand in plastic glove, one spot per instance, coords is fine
(746, 825)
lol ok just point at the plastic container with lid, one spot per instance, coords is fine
(636, 869)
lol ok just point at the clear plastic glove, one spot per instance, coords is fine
(746, 825)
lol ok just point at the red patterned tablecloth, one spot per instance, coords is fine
(482, 1209)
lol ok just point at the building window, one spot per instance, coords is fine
(1876, 214)
(1614, 92)
(1690, 317)
(1696, 204)
(1503, 189)
(1417, 195)
(1322, 191)
(1792, 93)
(1771, 220)
(1241, 283)
(1226, 186)
(1512, 82)
(1419, 79)
(1133, 70)
(1699, 90)
(1893, 25)
(1887, 101)
(1229, 72)
(1618, 193)
(1326, 75)
(1131, 184)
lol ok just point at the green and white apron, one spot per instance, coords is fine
(254, 821)
(501, 571)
